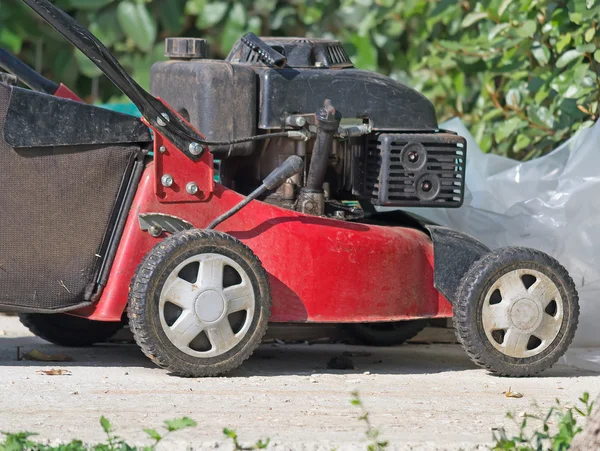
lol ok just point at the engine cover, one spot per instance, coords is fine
(414, 169)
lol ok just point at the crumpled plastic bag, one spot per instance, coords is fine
(551, 203)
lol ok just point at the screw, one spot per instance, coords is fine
(297, 121)
(162, 149)
(166, 180)
(195, 149)
(161, 120)
(191, 188)
(300, 121)
(155, 231)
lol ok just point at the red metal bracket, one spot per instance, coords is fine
(176, 177)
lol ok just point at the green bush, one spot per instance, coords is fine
(522, 74)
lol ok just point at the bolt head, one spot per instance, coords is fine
(195, 149)
(162, 149)
(163, 119)
(192, 188)
(166, 180)
(155, 231)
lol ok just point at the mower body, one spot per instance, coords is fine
(336, 267)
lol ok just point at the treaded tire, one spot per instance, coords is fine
(386, 334)
(144, 298)
(471, 294)
(67, 330)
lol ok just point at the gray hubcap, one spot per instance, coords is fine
(522, 313)
(197, 316)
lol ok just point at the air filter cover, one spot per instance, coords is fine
(415, 169)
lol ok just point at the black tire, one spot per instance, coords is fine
(386, 334)
(67, 330)
(476, 285)
(144, 299)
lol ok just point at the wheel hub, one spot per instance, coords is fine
(209, 306)
(526, 314)
(522, 313)
(201, 305)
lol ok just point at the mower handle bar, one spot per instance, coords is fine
(26, 74)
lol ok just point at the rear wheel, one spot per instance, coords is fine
(68, 330)
(199, 303)
(388, 333)
(516, 311)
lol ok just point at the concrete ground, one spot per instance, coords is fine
(420, 396)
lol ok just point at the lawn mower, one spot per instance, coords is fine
(100, 218)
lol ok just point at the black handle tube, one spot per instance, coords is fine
(26, 74)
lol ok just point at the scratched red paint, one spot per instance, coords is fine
(320, 269)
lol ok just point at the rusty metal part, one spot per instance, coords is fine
(157, 223)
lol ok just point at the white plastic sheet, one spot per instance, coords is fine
(551, 203)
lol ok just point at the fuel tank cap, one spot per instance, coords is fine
(186, 48)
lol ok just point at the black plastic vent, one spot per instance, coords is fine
(338, 55)
(300, 53)
(421, 169)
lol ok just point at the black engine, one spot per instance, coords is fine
(363, 136)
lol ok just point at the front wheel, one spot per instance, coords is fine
(516, 312)
(199, 303)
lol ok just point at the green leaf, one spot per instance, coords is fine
(506, 128)
(541, 53)
(503, 6)
(567, 57)
(229, 433)
(212, 14)
(153, 434)
(513, 97)
(597, 55)
(563, 42)
(576, 18)
(137, 23)
(589, 34)
(522, 142)
(527, 29)
(497, 29)
(179, 423)
(106, 426)
(472, 18)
